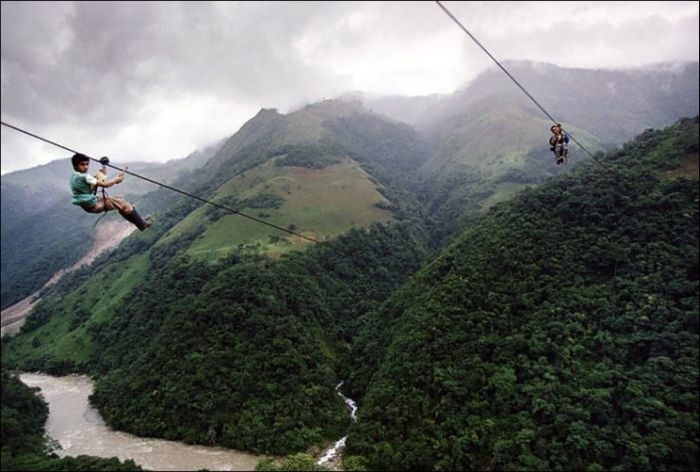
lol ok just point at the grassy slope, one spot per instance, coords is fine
(483, 159)
(318, 203)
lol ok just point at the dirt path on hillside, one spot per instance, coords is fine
(107, 236)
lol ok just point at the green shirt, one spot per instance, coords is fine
(80, 185)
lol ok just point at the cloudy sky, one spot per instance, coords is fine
(153, 81)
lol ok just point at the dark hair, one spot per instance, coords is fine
(78, 158)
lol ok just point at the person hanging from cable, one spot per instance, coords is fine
(559, 143)
(84, 188)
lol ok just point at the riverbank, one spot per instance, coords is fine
(79, 429)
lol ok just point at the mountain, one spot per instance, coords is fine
(613, 104)
(28, 192)
(254, 296)
(558, 332)
(473, 148)
(438, 265)
(489, 139)
(317, 172)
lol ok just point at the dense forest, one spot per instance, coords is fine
(558, 331)
(264, 340)
(255, 333)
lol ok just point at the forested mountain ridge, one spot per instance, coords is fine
(315, 128)
(561, 329)
(559, 332)
(340, 182)
(489, 140)
(319, 172)
(474, 148)
(224, 348)
(238, 349)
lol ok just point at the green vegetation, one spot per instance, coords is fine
(306, 155)
(24, 446)
(57, 341)
(298, 461)
(39, 246)
(250, 344)
(317, 203)
(560, 332)
(246, 348)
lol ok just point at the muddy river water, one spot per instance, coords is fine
(79, 429)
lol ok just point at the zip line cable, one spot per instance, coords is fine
(223, 207)
(514, 80)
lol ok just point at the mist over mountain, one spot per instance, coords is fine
(486, 307)
(614, 105)
(489, 140)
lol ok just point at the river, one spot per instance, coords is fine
(79, 429)
(330, 458)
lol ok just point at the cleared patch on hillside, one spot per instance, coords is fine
(318, 203)
(689, 168)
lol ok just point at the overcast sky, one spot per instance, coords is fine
(153, 81)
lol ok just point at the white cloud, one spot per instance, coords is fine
(157, 80)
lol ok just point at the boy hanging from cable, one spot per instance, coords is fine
(559, 143)
(84, 186)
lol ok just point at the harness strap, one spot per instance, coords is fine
(104, 161)
(98, 219)
(104, 200)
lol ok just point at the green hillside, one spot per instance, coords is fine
(486, 156)
(43, 233)
(243, 352)
(488, 141)
(59, 329)
(320, 204)
(317, 172)
(36, 248)
(459, 153)
(242, 349)
(560, 332)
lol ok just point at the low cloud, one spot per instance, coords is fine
(157, 80)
